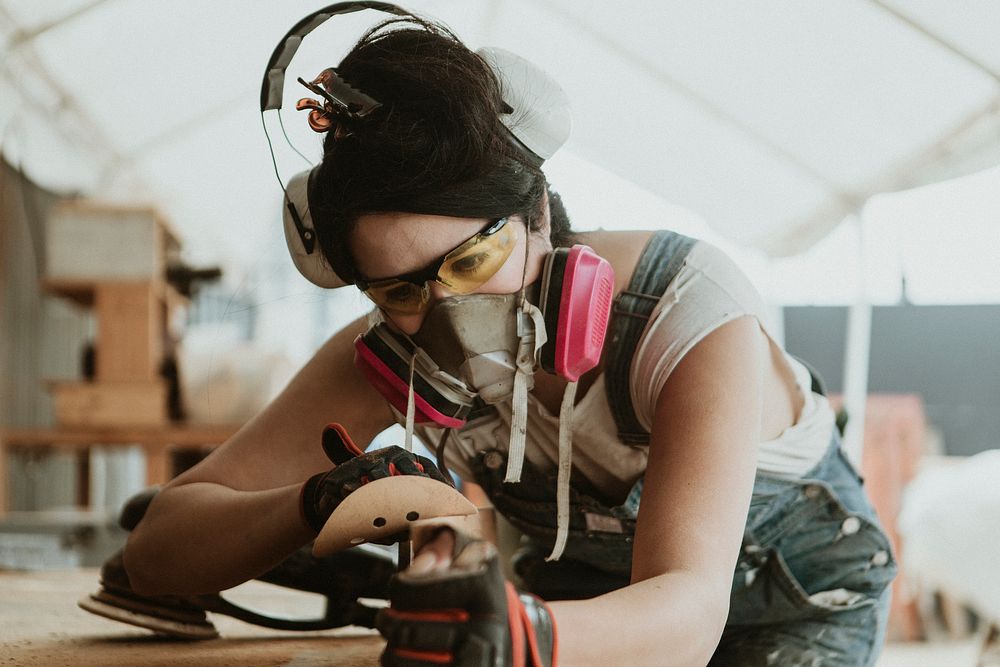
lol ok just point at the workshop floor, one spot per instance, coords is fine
(41, 625)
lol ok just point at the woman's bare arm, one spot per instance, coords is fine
(236, 514)
(694, 504)
(695, 499)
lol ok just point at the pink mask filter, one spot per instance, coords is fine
(577, 290)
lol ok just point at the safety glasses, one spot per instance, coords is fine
(463, 270)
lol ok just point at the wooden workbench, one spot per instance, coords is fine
(158, 442)
(41, 625)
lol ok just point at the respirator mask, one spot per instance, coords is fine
(485, 348)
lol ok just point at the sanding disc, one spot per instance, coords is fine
(135, 613)
(385, 507)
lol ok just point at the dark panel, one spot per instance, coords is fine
(818, 335)
(950, 355)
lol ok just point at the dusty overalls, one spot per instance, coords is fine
(811, 585)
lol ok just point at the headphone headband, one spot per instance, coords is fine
(271, 89)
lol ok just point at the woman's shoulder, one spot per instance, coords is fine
(615, 240)
(621, 248)
(624, 248)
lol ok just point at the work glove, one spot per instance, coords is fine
(465, 615)
(323, 492)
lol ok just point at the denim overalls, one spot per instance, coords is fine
(811, 581)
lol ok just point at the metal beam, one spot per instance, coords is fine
(61, 109)
(801, 234)
(26, 35)
(846, 198)
(938, 39)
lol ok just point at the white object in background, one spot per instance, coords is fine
(949, 527)
(116, 474)
(225, 379)
(89, 242)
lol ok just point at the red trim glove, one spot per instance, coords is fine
(466, 615)
(323, 492)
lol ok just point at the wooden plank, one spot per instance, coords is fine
(110, 403)
(159, 444)
(4, 498)
(80, 292)
(130, 331)
(183, 435)
(83, 290)
(159, 468)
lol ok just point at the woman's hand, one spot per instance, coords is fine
(434, 556)
(452, 606)
(323, 492)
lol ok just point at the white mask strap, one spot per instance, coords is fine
(518, 428)
(410, 409)
(530, 323)
(565, 467)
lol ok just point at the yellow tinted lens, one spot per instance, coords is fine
(474, 262)
(398, 296)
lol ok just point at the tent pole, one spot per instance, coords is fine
(857, 357)
(23, 36)
(982, 66)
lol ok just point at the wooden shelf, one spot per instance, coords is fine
(81, 291)
(180, 435)
(157, 443)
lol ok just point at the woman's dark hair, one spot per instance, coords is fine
(436, 145)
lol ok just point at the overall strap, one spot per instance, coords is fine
(658, 265)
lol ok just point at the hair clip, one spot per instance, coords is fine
(342, 102)
(321, 118)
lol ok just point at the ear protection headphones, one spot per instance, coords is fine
(538, 122)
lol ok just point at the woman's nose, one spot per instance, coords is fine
(410, 324)
(436, 291)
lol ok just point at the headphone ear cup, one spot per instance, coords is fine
(540, 118)
(300, 234)
(577, 290)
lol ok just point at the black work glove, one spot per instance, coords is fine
(466, 615)
(323, 492)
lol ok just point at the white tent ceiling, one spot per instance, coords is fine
(772, 120)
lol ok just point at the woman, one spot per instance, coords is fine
(753, 542)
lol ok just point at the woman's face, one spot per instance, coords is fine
(390, 244)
